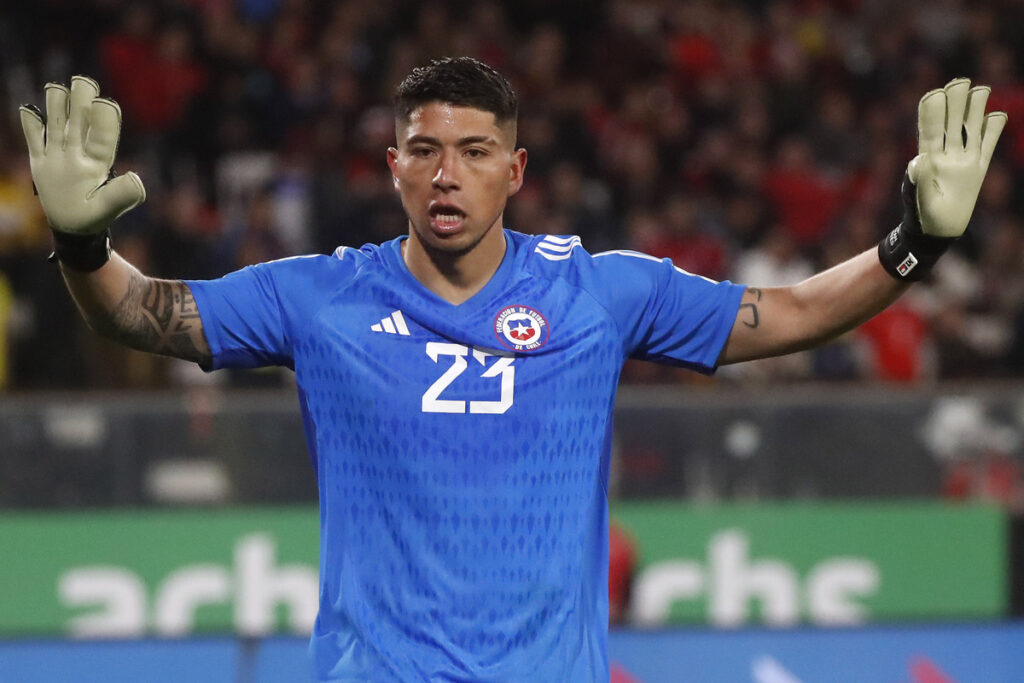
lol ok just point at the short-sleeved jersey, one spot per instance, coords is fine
(462, 451)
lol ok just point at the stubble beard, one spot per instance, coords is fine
(444, 256)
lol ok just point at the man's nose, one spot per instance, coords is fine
(447, 177)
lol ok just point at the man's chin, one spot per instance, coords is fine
(449, 245)
(449, 242)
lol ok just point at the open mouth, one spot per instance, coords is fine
(446, 218)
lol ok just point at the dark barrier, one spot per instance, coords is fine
(682, 441)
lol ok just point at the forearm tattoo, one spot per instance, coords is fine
(751, 317)
(160, 316)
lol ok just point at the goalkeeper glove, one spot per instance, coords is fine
(71, 152)
(940, 187)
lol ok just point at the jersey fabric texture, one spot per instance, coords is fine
(462, 451)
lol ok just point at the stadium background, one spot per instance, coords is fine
(852, 513)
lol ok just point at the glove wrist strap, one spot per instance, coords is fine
(84, 253)
(907, 253)
(909, 257)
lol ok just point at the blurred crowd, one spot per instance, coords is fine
(754, 141)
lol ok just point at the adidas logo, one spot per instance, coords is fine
(393, 324)
(555, 248)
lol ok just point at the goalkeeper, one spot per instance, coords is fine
(457, 382)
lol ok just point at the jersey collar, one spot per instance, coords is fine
(496, 284)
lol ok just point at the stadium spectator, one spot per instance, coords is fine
(680, 237)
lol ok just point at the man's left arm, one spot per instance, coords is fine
(778, 320)
(956, 140)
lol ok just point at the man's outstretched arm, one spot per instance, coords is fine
(159, 316)
(71, 150)
(956, 140)
(778, 320)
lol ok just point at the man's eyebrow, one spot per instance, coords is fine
(476, 140)
(461, 142)
(423, 140)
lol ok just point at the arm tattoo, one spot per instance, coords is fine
(755, 318)
(160, 316)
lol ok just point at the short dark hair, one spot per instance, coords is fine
(459, 81)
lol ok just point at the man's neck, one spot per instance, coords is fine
(455, 276)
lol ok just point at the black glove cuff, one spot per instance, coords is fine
(907, 253)
(84, 253)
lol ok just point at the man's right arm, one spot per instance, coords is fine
(148, 314)
(71, 152)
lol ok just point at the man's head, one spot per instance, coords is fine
(461, 82)
(455, 163)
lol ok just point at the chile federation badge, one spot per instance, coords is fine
(521, 328)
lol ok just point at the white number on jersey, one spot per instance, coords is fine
(502, 367)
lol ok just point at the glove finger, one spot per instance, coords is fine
(56, 114)
(956, 104)
(974, 118)
(119, 194)
(931, 122)
(83, 91)
(991, 129)
(35, 130)
(104, 130)
(912, 169)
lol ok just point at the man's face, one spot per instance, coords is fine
(454, 169)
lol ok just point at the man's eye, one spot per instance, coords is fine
(422, 152)
(474, 153)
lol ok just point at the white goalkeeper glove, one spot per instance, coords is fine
(71, 152)
(956, 140)
(955, 144)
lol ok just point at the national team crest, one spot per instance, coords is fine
(521, 328)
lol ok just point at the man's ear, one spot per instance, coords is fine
(516, 170)
(393, 165)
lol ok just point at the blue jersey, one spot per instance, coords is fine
(462, 451)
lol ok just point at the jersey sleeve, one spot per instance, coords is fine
(664, 313)
(253, 316)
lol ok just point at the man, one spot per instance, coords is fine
(457, 383)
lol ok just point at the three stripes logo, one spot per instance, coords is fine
(392, 324)
(557, 248)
